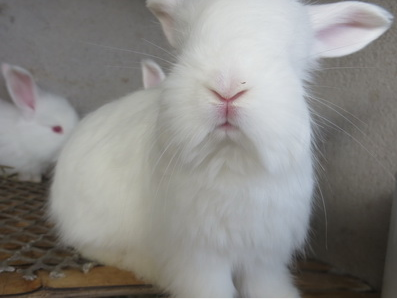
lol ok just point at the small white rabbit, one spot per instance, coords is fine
(33, 130)
(152, 74)
(203, 184)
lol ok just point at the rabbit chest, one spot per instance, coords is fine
(266, 212)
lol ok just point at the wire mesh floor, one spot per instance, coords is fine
(27, 243)
(33, 264)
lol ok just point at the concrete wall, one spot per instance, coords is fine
(89, 51)
(359, 156)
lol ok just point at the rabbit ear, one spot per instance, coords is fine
(346, 27)
(21, 87)
(164, 10)
(152, 74)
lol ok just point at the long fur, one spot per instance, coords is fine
(154, 184)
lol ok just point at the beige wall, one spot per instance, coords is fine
(89, 51)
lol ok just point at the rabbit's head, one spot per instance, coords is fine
(237, 90)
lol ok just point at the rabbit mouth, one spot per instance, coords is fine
(227, 126)
(227, 118)
(227, 108)
(229, 129)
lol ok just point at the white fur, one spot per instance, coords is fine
(28, 144)
(154, 184)
(152, 74)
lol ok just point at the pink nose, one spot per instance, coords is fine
(228, 98)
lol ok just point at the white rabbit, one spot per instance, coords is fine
(203, 185)
(33, 130)
(152, 74)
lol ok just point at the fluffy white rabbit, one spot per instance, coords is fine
(203, 185)
(33, 128)
(152, 74)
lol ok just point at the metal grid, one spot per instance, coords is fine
(27, 243)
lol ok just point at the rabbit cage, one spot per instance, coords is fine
(32, 263)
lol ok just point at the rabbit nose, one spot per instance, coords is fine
(226, 98)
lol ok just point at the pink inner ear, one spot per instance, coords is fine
(23, 89)
(153, 77)
(339, 36)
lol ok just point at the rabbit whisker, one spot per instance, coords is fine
(160, 48)
(340, 129)
(127, 50)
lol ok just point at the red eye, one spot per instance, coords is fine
(57, 129)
